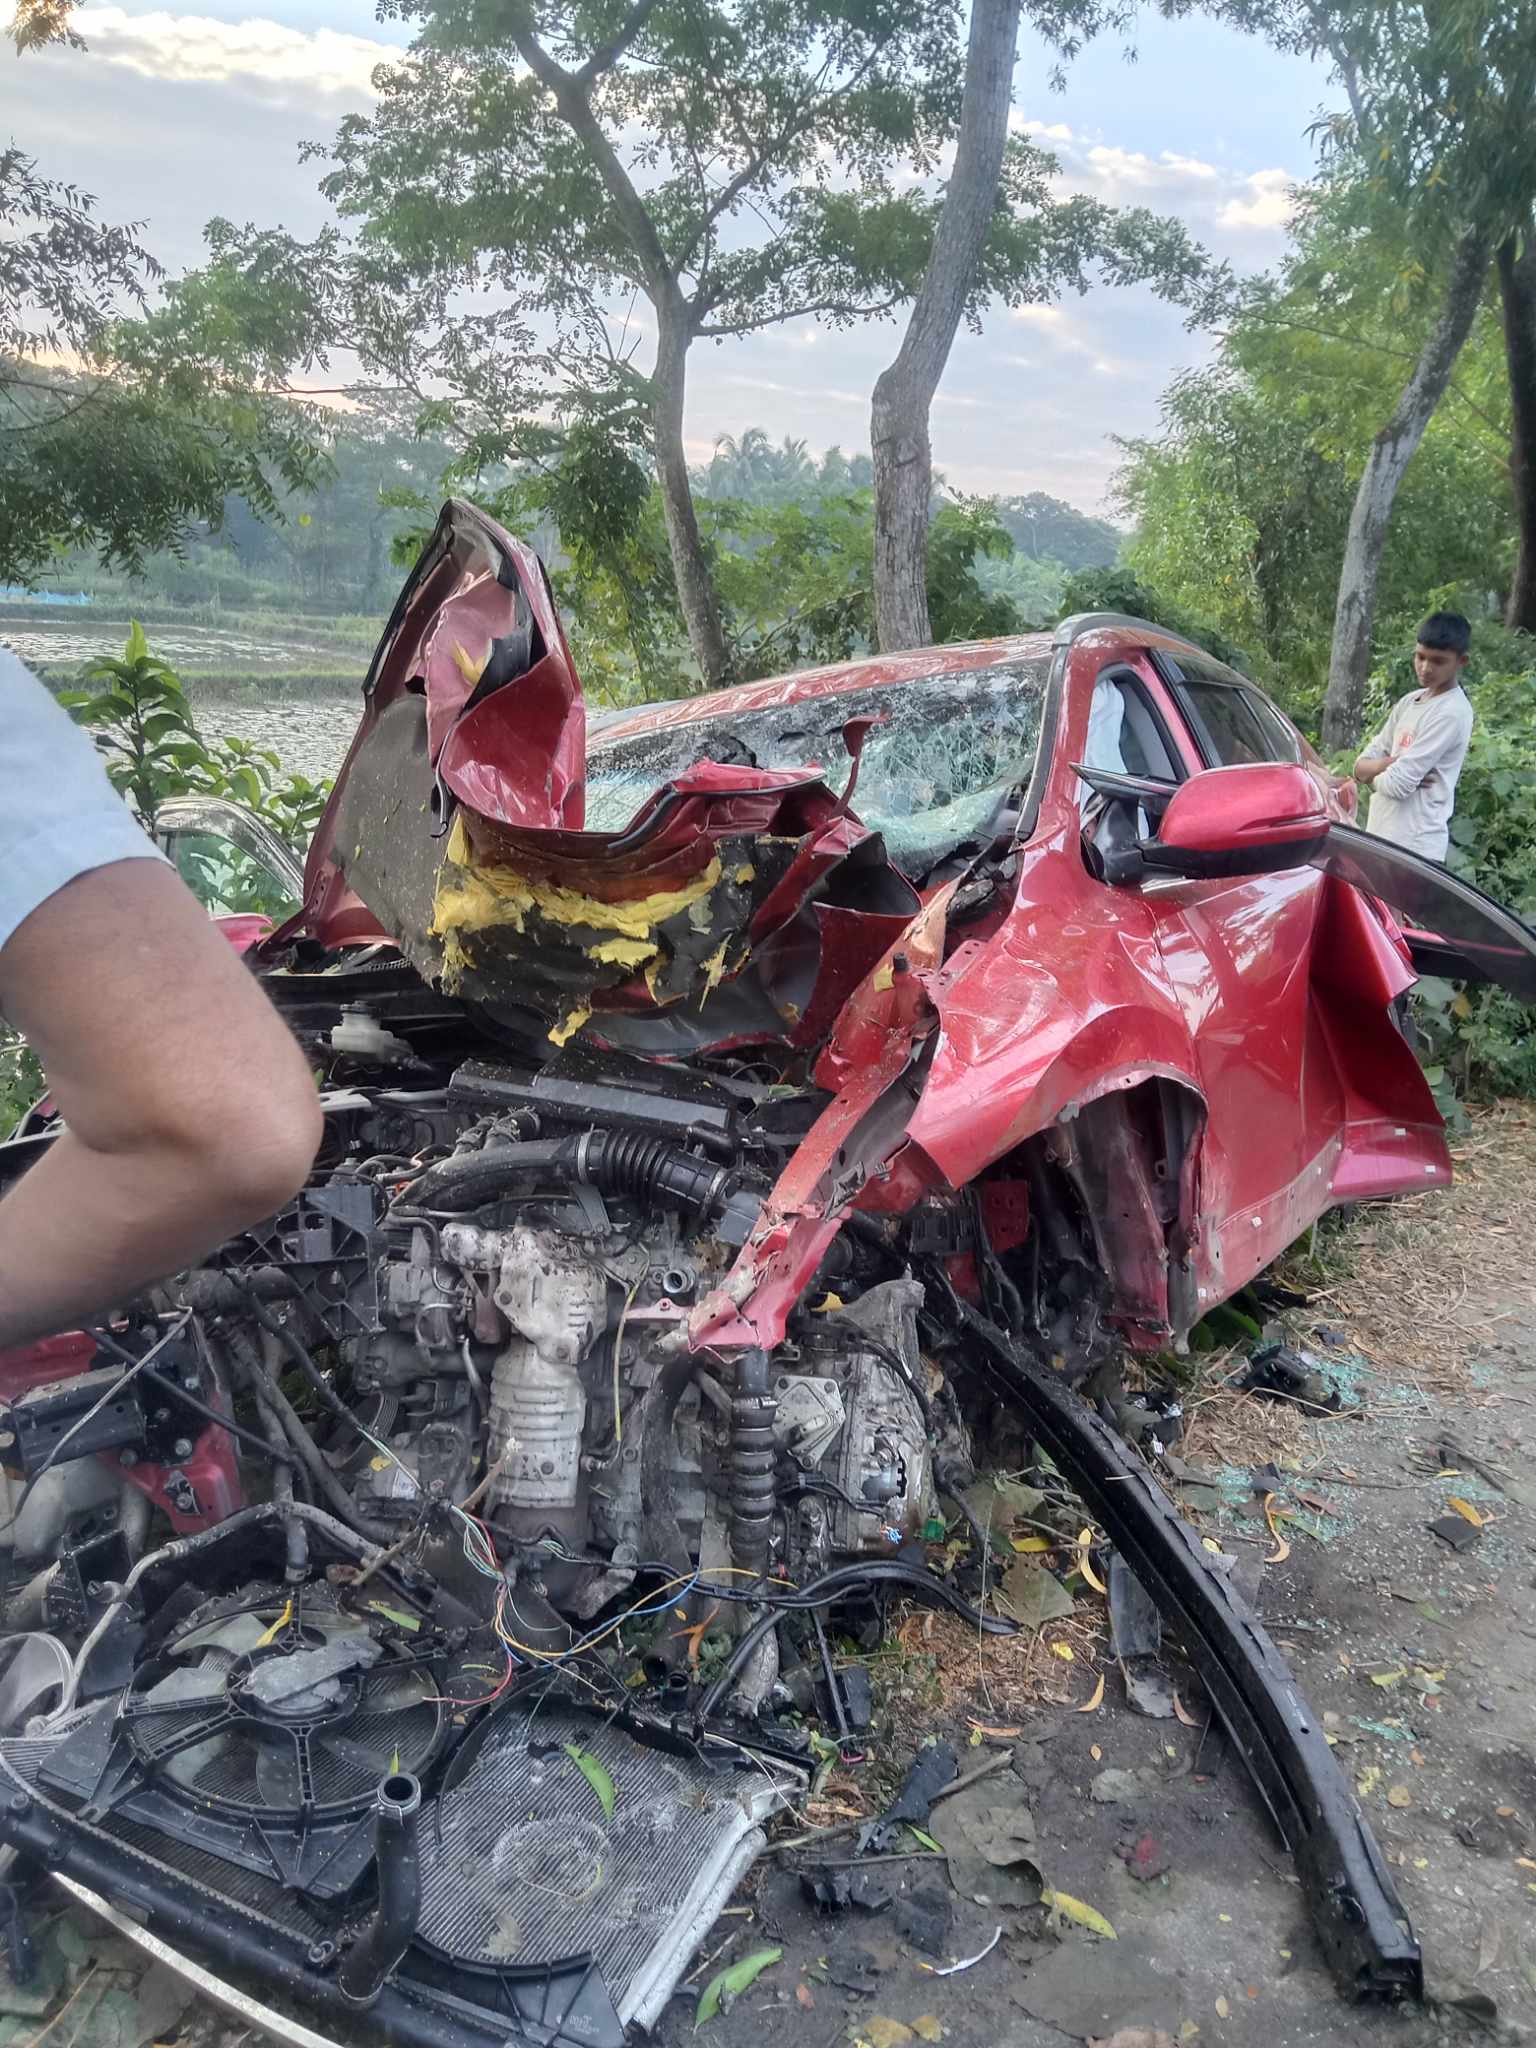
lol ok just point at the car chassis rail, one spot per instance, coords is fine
(1360, 1919)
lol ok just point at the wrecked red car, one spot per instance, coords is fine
(733, 1117)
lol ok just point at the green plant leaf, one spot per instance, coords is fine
(137, 647)
(596, 1776)
(730, 1984)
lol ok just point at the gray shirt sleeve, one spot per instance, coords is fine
(59, 815)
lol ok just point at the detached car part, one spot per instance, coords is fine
(1361, 1922)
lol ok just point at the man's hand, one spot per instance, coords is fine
(189, 1111)
(1369, 766)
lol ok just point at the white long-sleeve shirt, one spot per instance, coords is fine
(1412, 800)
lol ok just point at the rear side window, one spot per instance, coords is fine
(1233, 723)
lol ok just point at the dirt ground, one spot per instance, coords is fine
(1421, 1658)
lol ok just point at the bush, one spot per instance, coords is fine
(1478, 1041)
(1117, 590)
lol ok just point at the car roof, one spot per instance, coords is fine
(871, 671)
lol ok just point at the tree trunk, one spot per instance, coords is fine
(1391, 452)
(1517, 298)
(695, 586)
(903, 397)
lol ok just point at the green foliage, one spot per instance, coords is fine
(1045, 529)
(21, 1078)
(798, 586)
(121, 453)
(1242, 503)
(1479, 1042)
(138, 714)
(1119, 590)
(755, 470)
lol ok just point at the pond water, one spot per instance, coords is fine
(310, 728)
(70, 640)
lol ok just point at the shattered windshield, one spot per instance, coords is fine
(934, 772)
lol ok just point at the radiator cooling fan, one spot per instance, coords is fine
(259, 1734)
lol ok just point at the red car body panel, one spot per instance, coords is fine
(1254, 1011)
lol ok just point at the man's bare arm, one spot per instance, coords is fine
(190, 1112)
(1369, 766)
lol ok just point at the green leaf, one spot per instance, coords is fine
(926, 1841)
(730, 1984)
(595, 1774)
(397, 1615)
(137, 647)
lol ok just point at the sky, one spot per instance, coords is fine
(170, 118)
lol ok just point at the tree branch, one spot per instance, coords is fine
(606, 55)
(1381, 348)
(569, 93)
(840, 307)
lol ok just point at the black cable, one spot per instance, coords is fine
(861, 1340)
(830, 1587)
(827, 1489)
(237, 1430)
(299, 1352)
(948, 1492)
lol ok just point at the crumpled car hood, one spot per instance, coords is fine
(455, 830)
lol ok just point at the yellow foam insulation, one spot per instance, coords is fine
(746, 872)
(568, 1026)
(622, 952)
(481, 898)
(714, 972)
(466, 664)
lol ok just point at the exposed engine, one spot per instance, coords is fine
(502, 1286)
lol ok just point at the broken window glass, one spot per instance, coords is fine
(934, 771)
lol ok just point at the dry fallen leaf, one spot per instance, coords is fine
(1095, 1699)
(805, 1996)
(1097, 1754)
(927, 2028)
(881, 2032)
(1081, 1915)
(1223, 2010)
(981, 1728)
(1399, 1796)
(1282, 1549)
(1182, 1713)
(1085, 1562)
(1063, 1650)
(1465, 1507)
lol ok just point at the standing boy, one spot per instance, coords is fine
(1413, 763)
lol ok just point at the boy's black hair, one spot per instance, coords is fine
(1446, 632)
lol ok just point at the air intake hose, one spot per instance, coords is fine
(753, 1410)
(367, 1964)
(624, 1163)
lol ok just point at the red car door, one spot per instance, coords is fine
(1286, 998)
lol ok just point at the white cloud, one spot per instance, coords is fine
(1043, 131)
(187, 48)
(1132, 170)
(1268, 206)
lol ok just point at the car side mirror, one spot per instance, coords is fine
(1255, 819)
